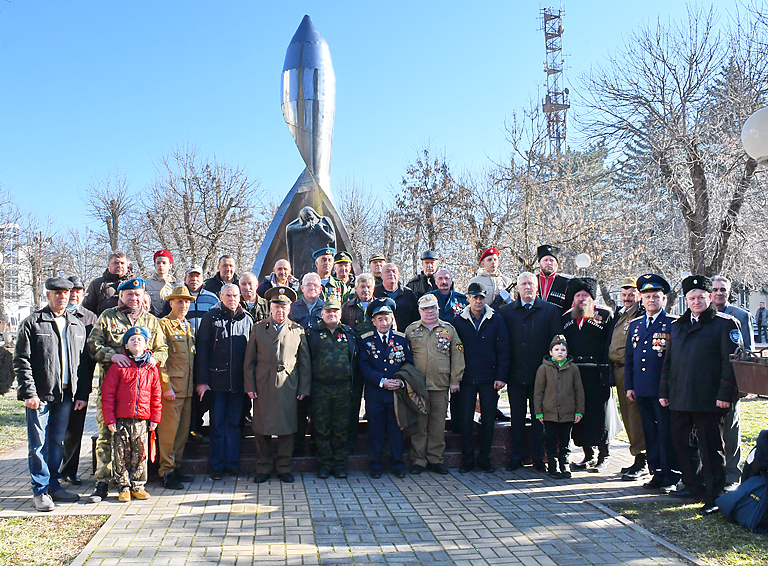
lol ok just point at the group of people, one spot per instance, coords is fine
(288, 356)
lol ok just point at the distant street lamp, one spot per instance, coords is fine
(754, 136)
(583, 261)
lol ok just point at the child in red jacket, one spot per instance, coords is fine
(131, 398)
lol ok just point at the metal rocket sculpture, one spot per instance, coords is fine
(307, 218)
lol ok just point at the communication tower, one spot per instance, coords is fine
(555, 103)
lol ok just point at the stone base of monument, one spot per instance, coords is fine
(196, 453)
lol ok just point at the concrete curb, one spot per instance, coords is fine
(657, 539)
(97, 538)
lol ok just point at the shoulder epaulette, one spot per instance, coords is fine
(565, 276)
(674, 317)
(367, 334)
(641, 317)
(726, 316)
(397, 333)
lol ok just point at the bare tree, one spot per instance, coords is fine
(360, 210)
(109, 201)
(683, 90)
(84, 253)
(40, 253)
(9, 219)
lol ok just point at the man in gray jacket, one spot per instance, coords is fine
(46, 362)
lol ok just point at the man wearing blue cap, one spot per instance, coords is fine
(646, 347)
(105, 344)
(332, 288)
(46, 362)
(382, 352)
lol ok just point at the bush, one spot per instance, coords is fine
(6, 370)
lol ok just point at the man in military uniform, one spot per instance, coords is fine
(439, 356)
(424, 282)
(382, 352)
(552, 285)
(177, 383)
(353, 314)
(331, 287)
(699, 386)
(376, 264)
(646, 345)
(630, 414)
(407, 307)
(586, 328)
(450, 302)
(105, 343)
(342, 269)
(333, 350)
(278, 372)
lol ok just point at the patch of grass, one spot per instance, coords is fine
(46, 541)
(13, 422)
(754, 418)
(711, 539)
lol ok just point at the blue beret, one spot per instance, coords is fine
(135, 283)
(133, 331)
(324, 251)
(652, 282)
(380, 305)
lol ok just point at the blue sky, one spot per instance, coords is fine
(90, 86)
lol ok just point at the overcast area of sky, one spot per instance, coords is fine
(90, 86)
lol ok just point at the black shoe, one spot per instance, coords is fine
(634, 475)
(588, 462)
(636, 471)
(565, 469)
(323, 473)
(287, 477)
(601, 465)
(99, 493)
(260, 478)
(539, 466)
(196, 437)
(417, 469)
(217, 475)
(169, 481)
(514, 465)
(438, 469)
(554, 474)
(64, 496)
(685, 493)
(466, 468)
(71, 480)
(655, 483)
(375, 474)
(182, 477)
(486, 468)
(399, 473)
(709, 509)
(501, 417)
(339, 473)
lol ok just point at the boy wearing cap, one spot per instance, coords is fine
(646, 347)
(46, 361)
(438, 355)
(105, 343)
(161, 283)
(382, 352)
(558, 400)
(130, 403)
(177, 383)
(333, 351)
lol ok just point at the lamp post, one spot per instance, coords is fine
(583, 261)
(754, 136)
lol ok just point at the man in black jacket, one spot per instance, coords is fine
(699, 386)
(407, 305)
(102, 292)
(485, 340)
(424, 282)
(46, 362)
(225, 274)
(532, 323)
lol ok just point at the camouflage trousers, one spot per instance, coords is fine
(129, 453)
(103, 471)
(330, 415)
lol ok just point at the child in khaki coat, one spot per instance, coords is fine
(558, 399)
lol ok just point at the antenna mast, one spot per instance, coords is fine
(555, 104)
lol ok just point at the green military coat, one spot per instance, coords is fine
(278, 369)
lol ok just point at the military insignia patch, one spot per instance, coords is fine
(735, 336)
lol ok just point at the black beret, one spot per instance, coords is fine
(58, 284)
(697, 282)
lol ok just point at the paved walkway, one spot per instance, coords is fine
(504, 518)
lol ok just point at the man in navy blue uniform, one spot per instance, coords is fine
(450, 302)
(382, 352)
(647, 340)
(699, 386)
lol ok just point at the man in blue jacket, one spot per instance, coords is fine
(382, 352)
(484, 336)
(647, 340)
